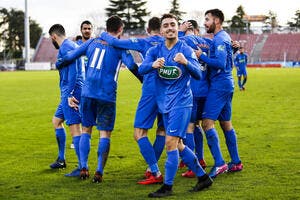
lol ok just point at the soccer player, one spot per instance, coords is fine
(194, 135)
(174, 63)
(86, 29)
(240, 62)
(147, 108)
(70, 86)
(219, 98)
(98, 101)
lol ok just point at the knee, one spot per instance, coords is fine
(180, 145)
(139, 133)
(87, 130)
(226, 125)
(172, 143)
(57, 123)
(161, 131)
(207, 124)
(191, 128)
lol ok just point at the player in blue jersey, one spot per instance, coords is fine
(98, 101)
(174, 63)
(219, 98)
(194, 136)
(240, 62)
(86, 29)
(70, 86)
(147, 109)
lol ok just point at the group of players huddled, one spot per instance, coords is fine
(187, 86)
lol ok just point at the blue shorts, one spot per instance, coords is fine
(160, 121)
(146, 112)
(65, 112)
(99, 113)
(198, 105)
(241, 72)
(177, 121)
(218, 105)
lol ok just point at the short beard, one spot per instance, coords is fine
(212, 28)
(55, 44)
(86, 38)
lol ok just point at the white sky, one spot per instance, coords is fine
(70, 13)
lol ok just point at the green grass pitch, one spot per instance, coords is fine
(266, 117)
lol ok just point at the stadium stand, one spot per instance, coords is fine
(281, 47)
(45, 52)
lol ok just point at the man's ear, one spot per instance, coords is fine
(53, 36)
(217, 20)
(120, 30)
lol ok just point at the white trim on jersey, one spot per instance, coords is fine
(117, 71)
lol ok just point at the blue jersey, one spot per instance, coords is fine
(173, 80)
(141, 45)
(241, 61)
(199, 87)
(84, 60)
(220, 62)
(104, 63)
(71, 78)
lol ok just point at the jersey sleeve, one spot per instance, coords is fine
(193, 65)
(132, 44)
(181, 34)
(74, 54)
(150, 57)
(128, 60)
(72, 76)
(219, 61)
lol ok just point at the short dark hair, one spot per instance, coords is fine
(194, 23)
(168, 15)
(58, 29)
(154, 23)
(85, 22)
(113, 24)
(78, 37)
(216, 13)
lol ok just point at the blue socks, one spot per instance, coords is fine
(61, 141)
(190, 159)
(76, 140)
(198, 136)
(214, 146)
(231, 142)
(240, 84)
(159, 145)
(84, 149)
(244, 82)
(189, 141)
(148, 153)
(103, 151)
(171, 166)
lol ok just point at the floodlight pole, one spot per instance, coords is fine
(27, 34)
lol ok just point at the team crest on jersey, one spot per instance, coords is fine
(134, 40)
(194, 55)
(154, 43)
(170, 72)
(221, 48)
